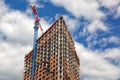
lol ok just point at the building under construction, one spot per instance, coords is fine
(56, 58)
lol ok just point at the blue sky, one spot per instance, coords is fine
(93, 24)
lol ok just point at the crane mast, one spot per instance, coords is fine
(36, 27)
(34, 51)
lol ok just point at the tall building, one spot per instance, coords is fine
(56, 56)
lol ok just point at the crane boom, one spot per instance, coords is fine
(36, 16)
(34, 9)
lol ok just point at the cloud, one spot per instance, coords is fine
(72, 23)
(118, 12)
(36, 2)
(103, 42)
(94, 66)
(113, 54)
(109, 3)
(89, 9)
(32, 1)
(96, 25)
(80, 8)
(14, 23)
(3, 7)
(112, 6)
(112, 39)
(11, 60)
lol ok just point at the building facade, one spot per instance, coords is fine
(56, 56)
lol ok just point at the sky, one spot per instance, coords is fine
(93, 24)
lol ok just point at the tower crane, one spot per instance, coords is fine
(36, 27)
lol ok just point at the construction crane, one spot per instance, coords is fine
(36, 27)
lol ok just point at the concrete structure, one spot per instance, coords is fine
(56, 56)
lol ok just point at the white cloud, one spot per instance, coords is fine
(86, 8)
(96, 25)
(89, 9)
(103, 42)
(92, 28)
(109, 3)
(89, 38)
(118, 12)
(11, 60)
(14, 24)
(3, 7)
(32, 1)
(94, 66)
(113, 54)
(72, 23)
(36, 2)
(113, 7)
(84, 32)
(112, 39)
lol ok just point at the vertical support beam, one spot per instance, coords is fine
(33, 66)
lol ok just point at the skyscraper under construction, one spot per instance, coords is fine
(56, 58)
